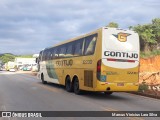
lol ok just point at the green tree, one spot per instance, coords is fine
(113, 25)
(7, 57)
(156, 29)
(146, 36)
(149, 35)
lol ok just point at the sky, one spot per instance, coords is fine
(28, 26)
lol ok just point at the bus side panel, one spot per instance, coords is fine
(85, 67)
(48, 72)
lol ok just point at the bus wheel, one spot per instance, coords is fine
(76, 87)
(42, 78)
(108, 93)
(68, 84)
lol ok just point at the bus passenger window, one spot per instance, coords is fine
(48, 55)
(62, 51)
(90, 43)
(69, 52)
(54, 53)
(44, 55)
(78, 47)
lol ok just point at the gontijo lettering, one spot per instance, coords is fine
(120, 54)
(64, 62)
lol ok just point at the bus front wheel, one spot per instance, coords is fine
(76, 87)
(43, 81)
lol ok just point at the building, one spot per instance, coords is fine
(24, 61)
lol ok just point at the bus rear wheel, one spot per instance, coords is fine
(43, 81)
(68, 84)
(76, 87)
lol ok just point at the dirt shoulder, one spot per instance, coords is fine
(149, 77)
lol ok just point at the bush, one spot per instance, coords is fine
(149, 54)
(143, 87)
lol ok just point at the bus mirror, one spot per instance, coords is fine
(36, 60)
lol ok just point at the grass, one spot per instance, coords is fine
(149, 54)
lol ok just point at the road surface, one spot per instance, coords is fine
(23, 92)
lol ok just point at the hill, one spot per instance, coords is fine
(5, 57)
(1, 54)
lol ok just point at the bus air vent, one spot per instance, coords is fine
(88, 78)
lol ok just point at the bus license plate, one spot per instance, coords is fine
(120, 84)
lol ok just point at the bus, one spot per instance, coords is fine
(105, 60)
(10, 66)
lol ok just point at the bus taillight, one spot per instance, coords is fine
(98, 69)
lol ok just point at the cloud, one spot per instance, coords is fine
(27, 26)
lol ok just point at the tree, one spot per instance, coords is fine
(149, 35)
(156, 29)
(146, 36)
(7, 57)
(113, 25)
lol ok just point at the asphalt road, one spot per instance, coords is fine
(23, 92)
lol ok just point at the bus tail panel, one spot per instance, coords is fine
(120, 60)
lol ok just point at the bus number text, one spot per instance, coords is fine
(87, 61)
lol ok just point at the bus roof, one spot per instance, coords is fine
(84, 35)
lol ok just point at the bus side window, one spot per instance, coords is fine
(62, 51)
(78, 47)
(69, 52)
(55, 53)
(90, 43)
(48, 56)
(44, 55)
(52, 50)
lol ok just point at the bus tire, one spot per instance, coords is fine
(68, 84)
(43, 81)
(108, 93)
(76, 86)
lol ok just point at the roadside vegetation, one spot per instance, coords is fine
(143, 87)
(149, 54)
(10, 57)
(149, 35)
